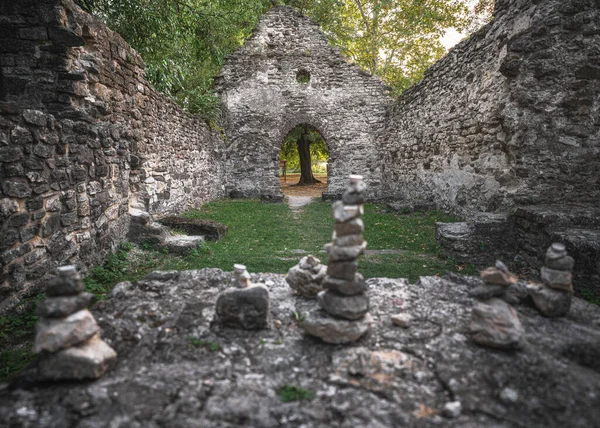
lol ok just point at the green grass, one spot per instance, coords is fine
(263, 237)
(289, 393)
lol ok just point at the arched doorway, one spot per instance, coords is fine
(304, 162)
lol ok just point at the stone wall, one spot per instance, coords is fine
(509, 117)
(263, 100)
(83, 137)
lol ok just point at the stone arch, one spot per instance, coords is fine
(330, 145)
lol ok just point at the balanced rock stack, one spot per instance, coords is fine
(306, 277)
(344, 297)
(245, 305)
(553, 297)
(67, 336)
(494, 322)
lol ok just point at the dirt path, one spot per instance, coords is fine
(289, 187)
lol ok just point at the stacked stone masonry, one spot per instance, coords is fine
(84, 137)
(509, 117)
(263, 99)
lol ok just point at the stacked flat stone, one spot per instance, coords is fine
(245, 305)
(67, 336)
(494, 322)
(553, 297)
(307, 276)
(344, 296)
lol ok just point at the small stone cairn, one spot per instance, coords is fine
(245, 305)
(67, 336)
(307, 276)
(494, 322)
(344, 300)
(553, 297)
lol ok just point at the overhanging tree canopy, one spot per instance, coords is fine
(184, 42)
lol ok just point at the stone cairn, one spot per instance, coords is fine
(553, 297)
(245, 305)
(345, 305)
(307, 276)
(494, 322)
(67, 336)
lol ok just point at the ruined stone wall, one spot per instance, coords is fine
(509, 117)
(263, 101)
(83, 137)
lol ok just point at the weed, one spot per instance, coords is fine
(299, 317)
(289, 393)
(198, 343)
(14, 360)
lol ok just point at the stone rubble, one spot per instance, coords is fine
(143, 229)
(307, 276)
(344, 297)
(553, 297)
(245, 305)
(391, 377)
(67, 336)
(494, 323)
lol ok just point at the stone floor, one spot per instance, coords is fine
(177, 369)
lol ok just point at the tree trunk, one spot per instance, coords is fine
(306, 175)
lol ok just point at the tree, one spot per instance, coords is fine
(300, 147)
(183, 42)
(396, 40)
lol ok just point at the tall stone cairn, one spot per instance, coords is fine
(344, 299)
(67, 336)
(553, 297)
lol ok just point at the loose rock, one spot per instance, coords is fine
(53, 334)
(341, 306)
(401, 320)
(337, 331)
(246, 308)
(495, 324)
(306, 277)
(89, 360)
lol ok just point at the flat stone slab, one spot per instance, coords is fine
(182, 244)
(89, 360)
(297, 202)
(177, 368)
(53, 334)
(333, 330)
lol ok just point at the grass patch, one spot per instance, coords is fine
(289, 393)
(264, 237)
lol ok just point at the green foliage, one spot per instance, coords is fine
(298, 317)
(318, 149)
(289, 393)
(14, 360)
(198, 343)
(16, 336)
(116, 268)
(183, 42)
(396, 40)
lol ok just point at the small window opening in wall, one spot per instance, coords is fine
(303, 76)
